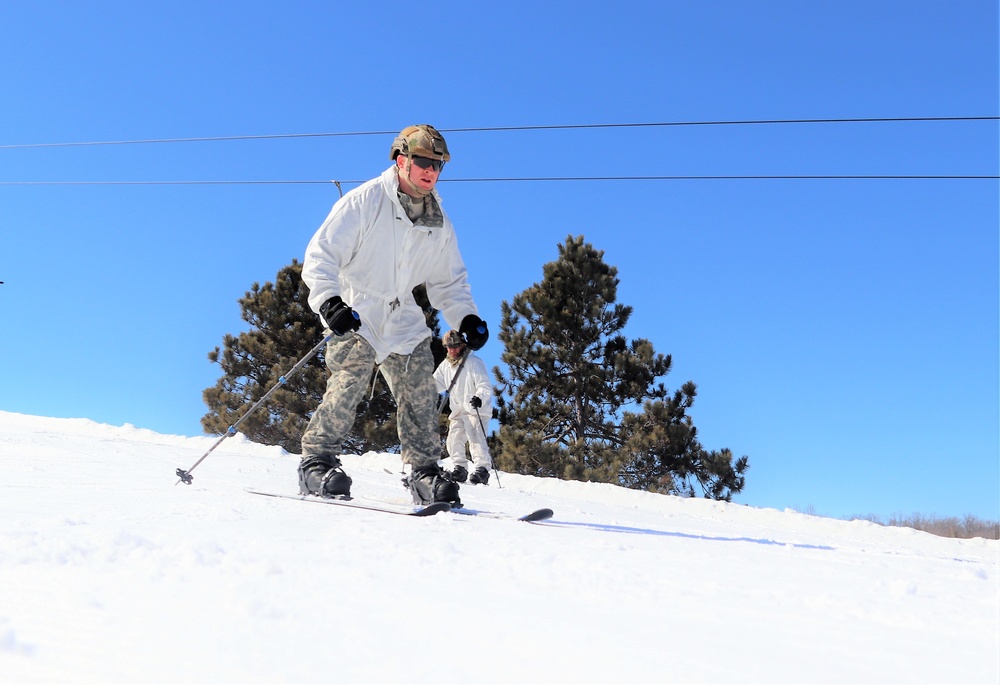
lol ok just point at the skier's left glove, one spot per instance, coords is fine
(474, 330)
(476, 402)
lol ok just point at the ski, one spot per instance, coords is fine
(404, 510)
(533, 517)
(368, 505)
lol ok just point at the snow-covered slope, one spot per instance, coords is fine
(113, 573)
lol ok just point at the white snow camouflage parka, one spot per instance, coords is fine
(473, 379)
(370, 254)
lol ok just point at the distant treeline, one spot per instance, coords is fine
(947, 527)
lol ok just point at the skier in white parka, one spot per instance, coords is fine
(378, 243)
(470, 397)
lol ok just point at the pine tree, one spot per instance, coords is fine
(282, 330)
(579, 401)
(666, 456)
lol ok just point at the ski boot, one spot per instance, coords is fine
(480, 475)
(322, 475)
(459, 474)
(430, 484)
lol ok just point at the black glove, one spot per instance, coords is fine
(474, 330)
(339, 317)
(476, 402)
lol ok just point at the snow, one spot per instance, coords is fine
(114, 573)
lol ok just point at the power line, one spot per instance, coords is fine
(554, 127)
(163, 183)
(775, 177)
(540, 179)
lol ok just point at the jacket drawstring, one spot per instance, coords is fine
(378, 370)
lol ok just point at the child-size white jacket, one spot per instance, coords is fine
(370, 254)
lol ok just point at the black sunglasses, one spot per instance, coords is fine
(451, 347)
(428, 163)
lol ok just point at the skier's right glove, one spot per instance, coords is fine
(339, 317)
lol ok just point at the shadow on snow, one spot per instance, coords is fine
(649, 531)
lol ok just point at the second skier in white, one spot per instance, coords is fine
(471, 400)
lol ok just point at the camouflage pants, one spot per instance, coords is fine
(350, 360)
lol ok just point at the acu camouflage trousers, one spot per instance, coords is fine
(350, 360)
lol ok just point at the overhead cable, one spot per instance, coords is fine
(480, 129)
(535, 179)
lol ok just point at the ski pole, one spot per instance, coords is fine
(185, 476)
(480, 417)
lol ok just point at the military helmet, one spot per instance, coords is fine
(453, 338)
(422, 140)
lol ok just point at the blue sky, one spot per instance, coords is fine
(842, 333)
